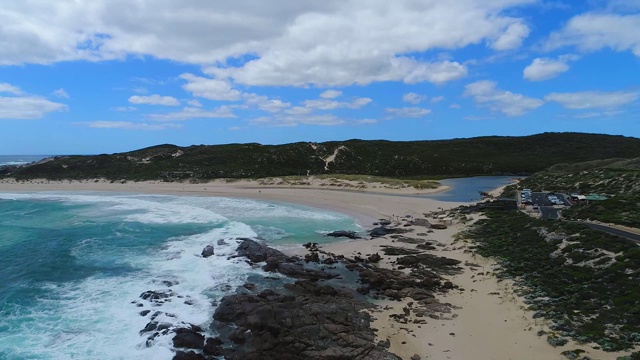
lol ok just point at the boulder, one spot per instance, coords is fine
(207, 251)
(188, 338)
(344, 233)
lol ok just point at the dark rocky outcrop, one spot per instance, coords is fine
(312, 321)
(276, 261)
(344, 233)
(188, 338)
(207, 251)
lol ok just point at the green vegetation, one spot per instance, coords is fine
(361, 181)
(583, 280)
(492, 155)
(617, 178)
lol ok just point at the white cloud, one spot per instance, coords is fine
(407, 112)
(455, 106)
(264, 103)
(486, 93)
(413, 98)
(299, 110)
(330, 94)
(154, 100)
(124, 108)
(188, 113)
(235, 128)
(27, 107)
(325, 104)
(544, 69)
(61, 93)
(127, 125)
(593, 99)
(366, 121)
(331, 42)
(210, 88)
(594, 31)
(512, 38)
(437, 99)
(8, 88)
(597, 114)
(295, 120)
(194, 103)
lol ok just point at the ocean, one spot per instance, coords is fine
(20, 159)
(73, 266)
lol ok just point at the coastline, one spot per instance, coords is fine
(487, 321)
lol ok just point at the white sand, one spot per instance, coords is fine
(484, 326)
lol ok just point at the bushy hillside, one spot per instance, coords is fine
(424, 159)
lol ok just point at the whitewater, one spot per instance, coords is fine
(74, 266)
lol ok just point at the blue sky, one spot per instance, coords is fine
(98, 76)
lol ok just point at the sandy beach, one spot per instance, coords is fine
(487, 321)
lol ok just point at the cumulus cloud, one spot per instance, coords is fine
(194, 103)
(413, 98)
(264, 103)
(295, 120)
(595, 30)
(8, 88)
(593, 99)
(154, 100)
(406, 112)
(210, 88)
(124, 108)
(436, 99)
(27, 107)
(61, 93)
(127, 125)
(189, 113)
(330, 94)
(512, 38)
(486, 93)
(325, 104)
(331, 42)
(544, 69)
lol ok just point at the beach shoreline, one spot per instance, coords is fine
(487, 320)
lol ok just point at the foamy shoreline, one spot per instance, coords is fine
(489, 321)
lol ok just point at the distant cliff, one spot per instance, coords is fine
(492, 155)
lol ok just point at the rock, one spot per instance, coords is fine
(256, 252)
(221, 242)
(144, 312)
(207, 251)
(344, 233)
(374, 258)
(213, 346)
(188, 338)
(383, 230)
(415, 357)
(438, 226)
(157, 296)
(311, 321)
(191, 355)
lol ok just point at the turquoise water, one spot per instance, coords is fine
(74, 266)
(468, 189)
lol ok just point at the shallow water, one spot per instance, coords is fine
(468, 189)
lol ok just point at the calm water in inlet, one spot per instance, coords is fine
(75, 264)
(468, 189)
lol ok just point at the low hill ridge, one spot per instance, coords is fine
(492, 155)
